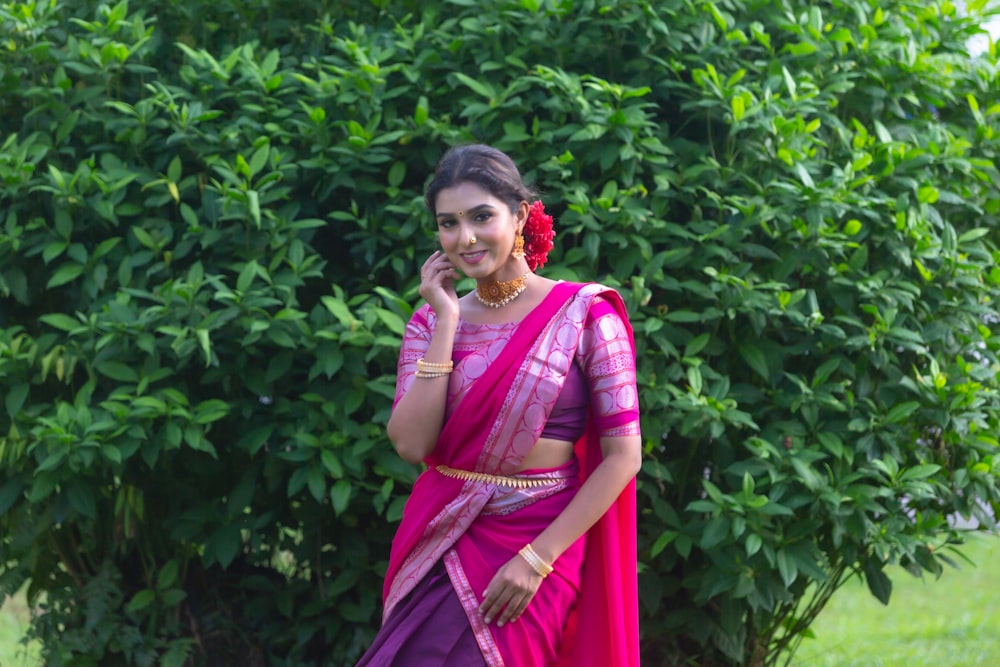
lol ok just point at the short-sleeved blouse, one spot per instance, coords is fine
(604, 355)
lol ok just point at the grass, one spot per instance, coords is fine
(953, 621)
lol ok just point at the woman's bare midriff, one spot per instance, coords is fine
(548, 453)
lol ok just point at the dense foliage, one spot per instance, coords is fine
(210, 224)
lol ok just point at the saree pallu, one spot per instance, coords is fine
(586, 612)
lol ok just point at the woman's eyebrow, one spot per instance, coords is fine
(473, 209)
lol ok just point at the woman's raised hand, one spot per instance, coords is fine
(437, 284)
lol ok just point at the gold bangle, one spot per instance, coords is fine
(535, 561)
(434, 367)
(431, 374)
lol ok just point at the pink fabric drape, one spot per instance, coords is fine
(452, 520)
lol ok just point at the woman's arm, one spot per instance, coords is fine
(416, 421)
(514, 584)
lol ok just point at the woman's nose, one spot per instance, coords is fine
(469, 235)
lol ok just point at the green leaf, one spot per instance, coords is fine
(339, 310)
(167, 576)
(140, 601)
(259, 159)
(253, 205)
(225, 543)
(973, 235)
(901, 411)
(396, 174)
(478, 87)
(340, 496)
(316, 482)
(920, 472)
(421, 112)
(665, 538)
(715, 532)
(177, 652)
(803, 175)
(117, 371)
(249, 272)
(144, 237)
(697, 344)
(790, 82)
(878, 583)
(694, 379)
(786, 567)
(755, 359)
(252, 440)
(393, 321)
(15, 398)
(205, 342)
(81, 496)
(174, 170)
(683, 316)
(66, 273)
(332, 463)
(53, 250)
(753, 544)
(210, 411)
(11, 490)
(173, 597)
(42, 487)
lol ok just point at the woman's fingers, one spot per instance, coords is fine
(515, 607)
(492, 608)
(508, 604)
(436, 259)
(509, 593)
(436, 270)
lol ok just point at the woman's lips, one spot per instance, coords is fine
(473, 257)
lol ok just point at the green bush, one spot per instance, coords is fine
(210, 225)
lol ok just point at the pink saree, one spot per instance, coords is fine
(586, 613)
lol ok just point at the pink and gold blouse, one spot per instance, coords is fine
(599, 361)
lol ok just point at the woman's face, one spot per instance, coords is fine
(477, 231)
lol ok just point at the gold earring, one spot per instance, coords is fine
(518, 252)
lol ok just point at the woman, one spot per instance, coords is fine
(517, 544)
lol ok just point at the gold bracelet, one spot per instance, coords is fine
(431, 374)
(434, 367)
(535, 561)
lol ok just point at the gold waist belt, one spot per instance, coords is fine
(499, 480)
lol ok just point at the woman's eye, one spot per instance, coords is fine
(482, 217)
(446, 223)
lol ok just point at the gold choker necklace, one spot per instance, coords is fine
(501, 292)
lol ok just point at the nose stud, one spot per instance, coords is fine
(472, 241)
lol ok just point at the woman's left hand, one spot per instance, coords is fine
(509, 592)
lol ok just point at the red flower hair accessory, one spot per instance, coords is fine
(538, 236)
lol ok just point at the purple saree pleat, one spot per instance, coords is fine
(428, 628)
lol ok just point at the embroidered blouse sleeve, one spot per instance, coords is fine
(416, 340)
(608, 362)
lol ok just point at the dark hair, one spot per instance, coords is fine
(483, 165)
